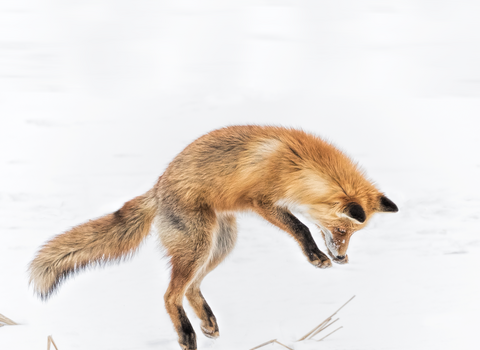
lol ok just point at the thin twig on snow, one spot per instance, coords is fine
(50, 341)
(276, 341)
(324, 322)
(266, 343)
(6, 320)
(321, 329)
(330, 333)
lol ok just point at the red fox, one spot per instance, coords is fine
(267, 170)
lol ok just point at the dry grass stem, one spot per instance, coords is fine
(268, 342)
(50, 341)
(324, 322)
(321, 329)
(313, 330)
(341, 307)
(322, 326)
(276, 341)
(6, 320)
(318, 329)
(330, 333)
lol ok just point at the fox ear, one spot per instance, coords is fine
(386, 205)
(355, 211)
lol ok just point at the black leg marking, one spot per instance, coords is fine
(285, 220)
(187, 339)
(209, 325)
(303, 235)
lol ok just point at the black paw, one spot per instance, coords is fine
(320, 260)
(188, 341)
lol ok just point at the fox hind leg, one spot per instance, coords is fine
(189, 249)
(224, 239)
(174, 306)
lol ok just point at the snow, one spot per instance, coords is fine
(96, 97)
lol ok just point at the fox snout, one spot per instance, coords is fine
(336, 246)
(339, 255)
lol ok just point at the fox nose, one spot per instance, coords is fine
(340, 257)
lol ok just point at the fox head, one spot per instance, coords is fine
(337, 206)
(329, 188)
(340, 220)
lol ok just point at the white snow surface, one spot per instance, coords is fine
(97, 97)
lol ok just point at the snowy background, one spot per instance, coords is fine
(96, 97)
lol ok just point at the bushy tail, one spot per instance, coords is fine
(108, 238)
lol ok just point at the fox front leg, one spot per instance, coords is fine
(303, 236)
(286, 221)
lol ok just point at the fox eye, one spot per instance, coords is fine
(341, 230)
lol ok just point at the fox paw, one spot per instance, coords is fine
(188, 341)
(210, 333)
(210, 328)
(319, 259)
(323, 264)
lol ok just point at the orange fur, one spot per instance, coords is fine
(268, 170)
